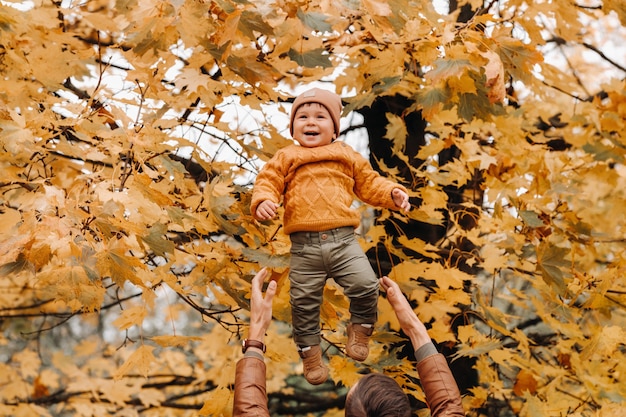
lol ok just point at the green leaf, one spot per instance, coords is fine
(253, 22)
(316, 21)
(173, 167)
(265, 258)
(550, 261)
(311, 59)
(518, 58)
(445, 68)
(531, 218)
(432, 98)
(119, 267)
(178, 215)
(602, 152)
(156, 240)
(251, 70)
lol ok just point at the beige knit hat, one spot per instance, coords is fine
(330, 100)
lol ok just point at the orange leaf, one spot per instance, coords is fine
(39, 389)
(525, 381)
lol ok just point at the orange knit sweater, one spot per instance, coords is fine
(318, 186)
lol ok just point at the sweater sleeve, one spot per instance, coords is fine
(270, 183)
(371, 187)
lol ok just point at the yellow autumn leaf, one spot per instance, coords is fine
(534, 406)
(396, 132)
(474, 343)
(328, 314)
(378, 8)
(217, 403)
(14, 132)
(343, 370)
(462, 84)
(151, 397)
(174, 341)
(29, 363)
(132, 316)
(119, 266)
(140, 362)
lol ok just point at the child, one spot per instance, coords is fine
(318, 179)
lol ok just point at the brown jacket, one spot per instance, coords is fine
(442, 394)
(319, 185)
(250, 396)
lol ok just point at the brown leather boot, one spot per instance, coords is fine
(358, 341)
(314, 369)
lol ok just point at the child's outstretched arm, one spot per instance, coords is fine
(266, 210)
(401, 199)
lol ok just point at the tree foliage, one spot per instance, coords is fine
(131, 131)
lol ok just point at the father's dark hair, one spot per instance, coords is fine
(377, 395)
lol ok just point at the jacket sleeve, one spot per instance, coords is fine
(250, 394)
(442, 393)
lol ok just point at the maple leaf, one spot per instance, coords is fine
(343, 370)
(151, 397)
(377, 8)
(316, 21)
(447, 68)
(265, 258)
(396, 132)
(531, 218)
(525, 382)
(251, 70)
(473, 343)
(119, 266)
(39, 389)
(12, 247)
(312, 58)
(133, 316)
(517, 57)
(217, 402)
(253, 22)
(191, 79)
(174, 341)
(229, 28)
(156, 240)
(15, 135)
(551, 260)
(432, 99)
(140, 361)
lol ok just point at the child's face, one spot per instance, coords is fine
(313, 126)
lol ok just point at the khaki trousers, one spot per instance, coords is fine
(317, 256)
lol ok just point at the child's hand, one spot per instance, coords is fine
(266, 210)
(401, 199)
